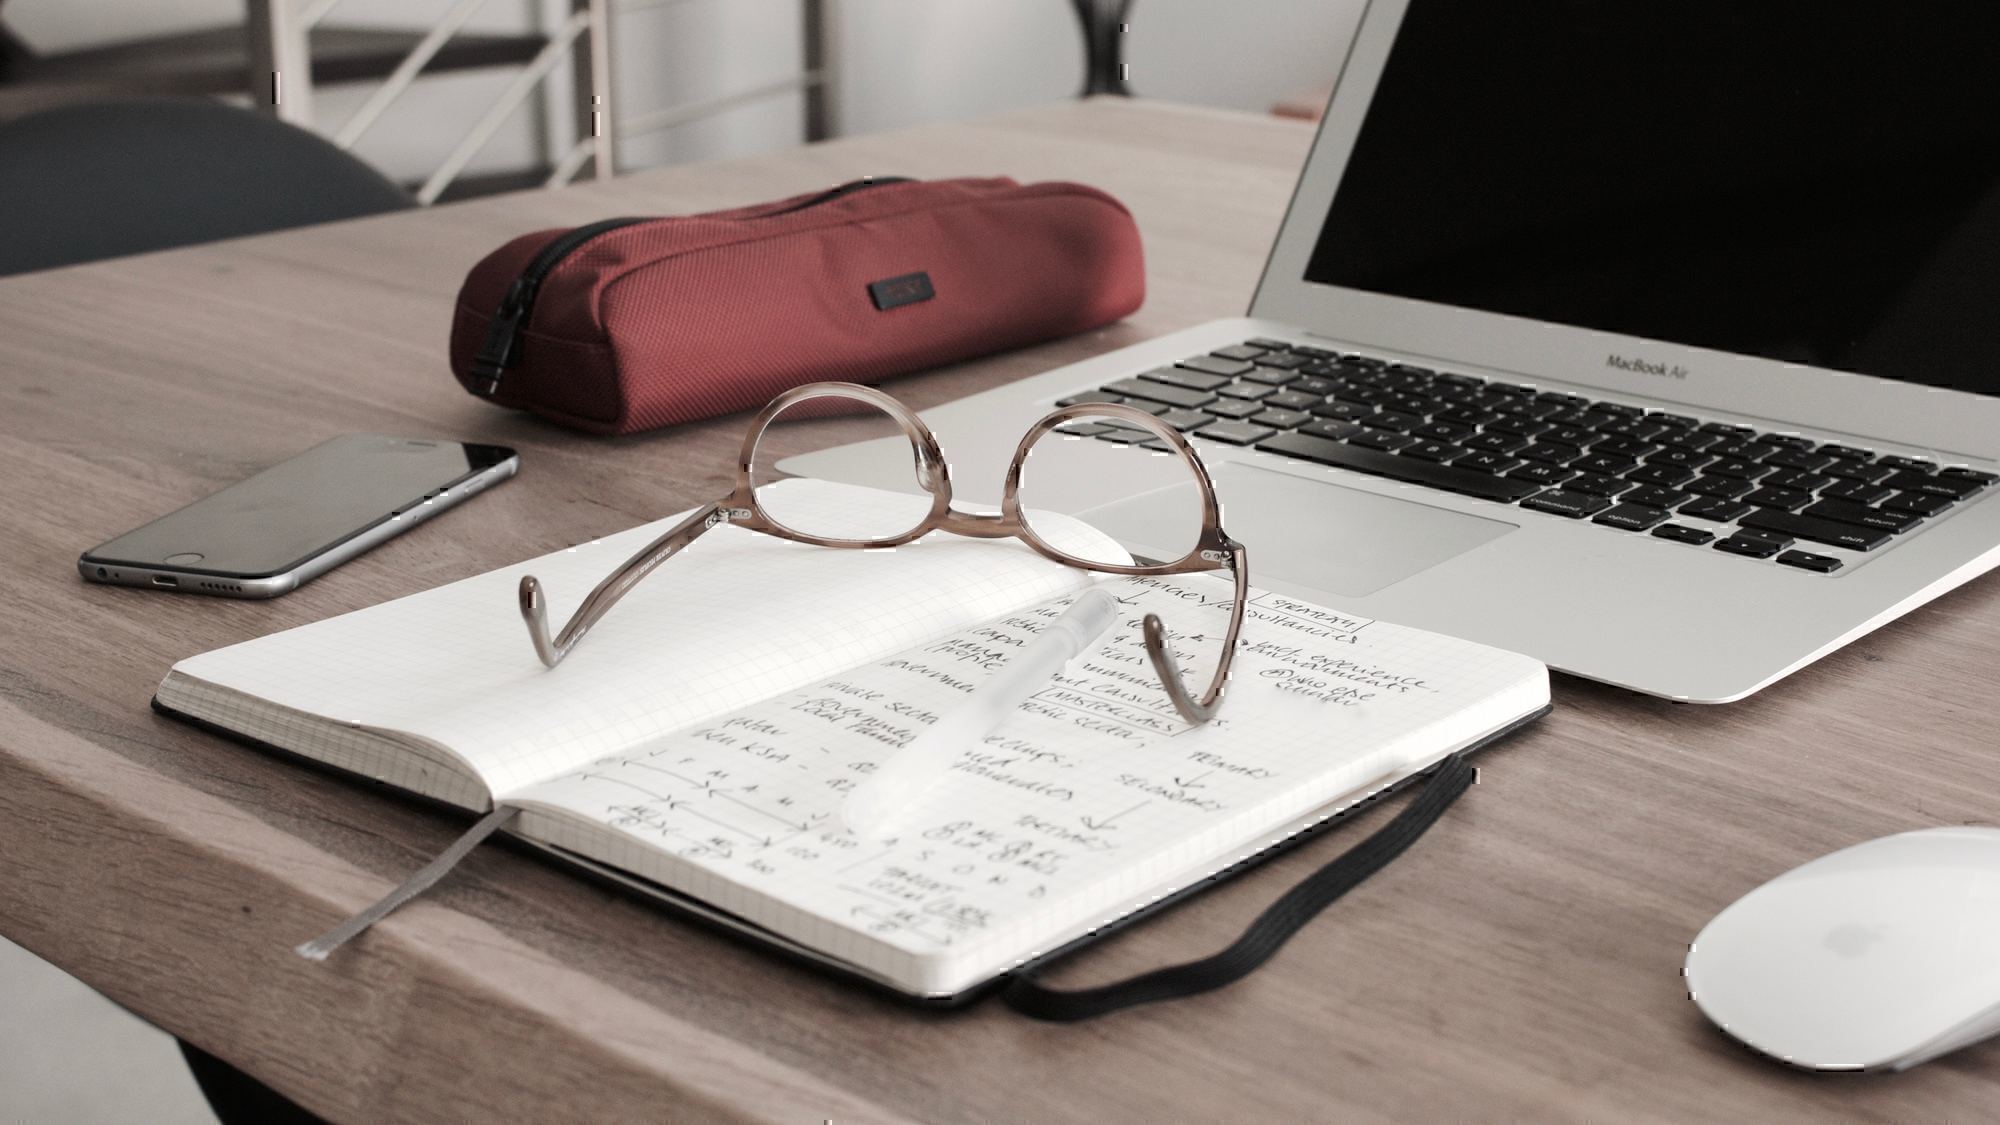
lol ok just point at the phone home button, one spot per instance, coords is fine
(185, 558)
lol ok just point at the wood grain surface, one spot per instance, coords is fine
(1523, 961)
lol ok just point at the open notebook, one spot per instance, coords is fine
(700, 741)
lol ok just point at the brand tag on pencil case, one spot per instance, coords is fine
(895, 292)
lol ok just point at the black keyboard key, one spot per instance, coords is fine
(1281, 419)
(1789, 441)
(1395, 420)
(1861, 515)
(1798, 459)
(1216, 365)
(1240, 351)
(1312, 385)
(1746, 448)
(1528, 408)
(1431, 449)
(1183, 397)
(1678, 421)
(1561, 399)
(1234, 408)
(1818, 530)
(1182, 377)
(1664, 475)
(1631, 517)
(1283, 360)
(1453, 380)
(1388, 441)
(1943, 484)
(1343, 411)
(1806, 560)
(1292, 400)
(1715, 508)
(1678, 455)
(1916, 464)
(1267, 343)
(1568, 435)
(1846, 453)
(1547, 475)
(1519, 424)
(1652, 497)
(1858, 492)
(1865, 471)
(1080, 428)
(1726, 430)
(1973, 476)
(1244, 388)
(1495, 443)
(1922, 503)
(1575, 505)
(1187, 419)
(1465, 415)
(1736, 467)
(1597, 484)
(1749, 546)
(1274, 376)
(1235, 433)
(1090, 396)
(1550, 453)
(1348, 456)
(1125, 435)
(1682, 533)
(1331, 429)
(1624, 447)
(1603, 463)
(1689, 439)
(1621, 409)
(1443, 431)
(1727, 488)
(1784, 499)
(1481, 461)
(1797, 479)
(1638, 429)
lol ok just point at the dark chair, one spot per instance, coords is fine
(102, 180)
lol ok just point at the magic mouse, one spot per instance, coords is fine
(1876, 957)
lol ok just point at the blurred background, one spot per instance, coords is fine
(688, 79)
(456, 98)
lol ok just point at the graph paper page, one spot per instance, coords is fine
(1091, 799)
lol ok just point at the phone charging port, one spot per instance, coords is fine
(165, 580)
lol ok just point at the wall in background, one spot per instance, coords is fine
(901, 62)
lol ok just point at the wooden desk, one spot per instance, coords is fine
(1523, 961)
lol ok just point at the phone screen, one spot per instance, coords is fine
(289, 513)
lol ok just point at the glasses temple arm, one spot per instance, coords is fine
(1160, 650)
(534, 607)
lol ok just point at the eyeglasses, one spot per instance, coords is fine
(1157, 461)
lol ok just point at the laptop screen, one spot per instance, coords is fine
(1813, 181)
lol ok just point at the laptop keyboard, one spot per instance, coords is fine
(1730, 488)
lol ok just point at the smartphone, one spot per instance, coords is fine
(293, 522)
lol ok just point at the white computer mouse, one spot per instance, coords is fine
(1877, 957)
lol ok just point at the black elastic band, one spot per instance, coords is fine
(1271, 929)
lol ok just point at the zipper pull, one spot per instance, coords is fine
(503, 337)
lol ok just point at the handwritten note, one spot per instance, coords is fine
(1083, 804)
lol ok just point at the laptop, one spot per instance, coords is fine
(1657, 340)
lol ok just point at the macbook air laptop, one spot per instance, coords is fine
(1657, 340)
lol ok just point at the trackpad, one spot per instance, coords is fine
(1311, 533)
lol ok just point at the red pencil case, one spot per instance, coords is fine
(630, 324)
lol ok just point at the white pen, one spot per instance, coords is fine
(901, 781)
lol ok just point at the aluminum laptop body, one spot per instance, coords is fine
(1553, 199)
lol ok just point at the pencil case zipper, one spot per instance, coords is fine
(503, 335)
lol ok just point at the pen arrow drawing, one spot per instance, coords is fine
(1101, 825)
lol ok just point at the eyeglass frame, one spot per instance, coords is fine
(1213, 548)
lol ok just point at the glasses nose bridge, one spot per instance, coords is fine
(979, 525)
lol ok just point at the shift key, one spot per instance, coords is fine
(1818, 530)
(1342, 455)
